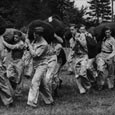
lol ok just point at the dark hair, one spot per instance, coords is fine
(82, 25)
(39, 33)
(107, 28)
(18, 33)
(56, 17)
(73, 25)
(103, 31)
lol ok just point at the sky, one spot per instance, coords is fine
(79, 3)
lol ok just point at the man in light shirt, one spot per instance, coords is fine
(80, 58)
(105, 60)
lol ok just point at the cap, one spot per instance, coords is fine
(39, 29)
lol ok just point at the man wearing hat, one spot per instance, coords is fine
(16, 65)
(6, 91)
(39, 52)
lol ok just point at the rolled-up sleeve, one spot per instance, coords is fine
(40, 50)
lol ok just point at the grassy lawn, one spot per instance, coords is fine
(69, 102)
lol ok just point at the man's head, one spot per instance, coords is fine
(38, 31)
(58, 48)
(17, 36)
(107, 32)
(82, 29)
(73, 29)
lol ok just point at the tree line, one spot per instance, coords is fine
(18, 13)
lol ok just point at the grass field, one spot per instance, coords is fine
(69, 102)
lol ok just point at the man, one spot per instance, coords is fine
(6, 91)
(105, 60)
(80, 57)
(61, 60)
(39, 52)
(91, 47)
(16, 64)
(73, 30)
(91, 42)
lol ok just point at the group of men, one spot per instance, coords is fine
(36, 59)
(91, 71)
(42, 62)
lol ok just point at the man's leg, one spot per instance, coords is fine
(83, 73)
(34, 88)
(47, 81)
(91, 71)
(102, 73)
(78, 76)
(29, 70)
(6, 92)
(110, 78)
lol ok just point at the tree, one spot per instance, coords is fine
(8, 10)
(100, 9)
(21, 12)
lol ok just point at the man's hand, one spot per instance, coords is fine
(27, 41)
(21, 46)
(108, 60)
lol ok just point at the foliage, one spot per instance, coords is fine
(19, 13)
(100, 9)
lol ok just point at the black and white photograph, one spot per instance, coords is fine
(57, 57)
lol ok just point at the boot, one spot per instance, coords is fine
(110, 83)
(80, 87)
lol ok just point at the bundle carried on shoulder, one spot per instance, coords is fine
(48, 32)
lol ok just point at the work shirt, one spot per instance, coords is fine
(81, 45)
(3, 51)
(72, 41)
(41, 49)
(108, 46)
(1, 48)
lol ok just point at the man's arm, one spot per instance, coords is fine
(38, 52)
(113, 48)
(112, 54)
(16, 46)
(41, 50)
(81, 40)
(58, 38)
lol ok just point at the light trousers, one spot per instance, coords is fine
(40, 83)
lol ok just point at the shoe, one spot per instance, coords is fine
(82, 91)
(9, 105)
(110, 84)
(30, 104)
(52, 103)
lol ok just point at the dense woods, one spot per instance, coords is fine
(19, 13)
